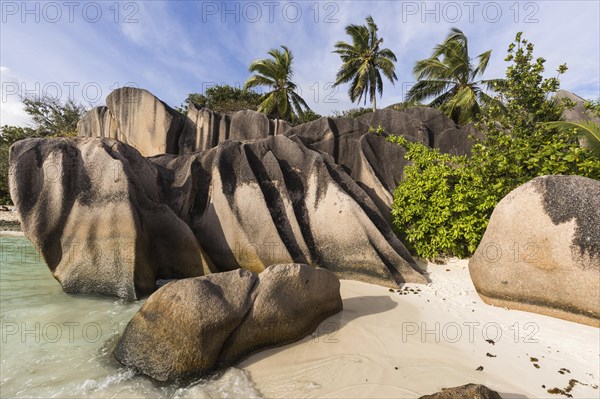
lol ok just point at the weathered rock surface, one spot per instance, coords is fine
(289, 303)
(577, 113)
(145, 122)
(541, 250)
(433, 119)
(366, 157)
(205, 129)
(253, 125)
(136, 117)
(98, 122)
(273, 201)
(456, 141)
(110, 221)
(194, 326)
(399, 123)
(469, 391)
(181, 328)
(92, 208)
(375, 164)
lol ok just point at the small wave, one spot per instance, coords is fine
(233, 383)
(93, 386)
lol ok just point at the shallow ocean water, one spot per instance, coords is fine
(59, 345)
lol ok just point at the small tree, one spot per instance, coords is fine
(223, 99)
(51, 118)
(352, 112)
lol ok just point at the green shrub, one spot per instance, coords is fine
(593, 106)
(223, 99)
(444, 204)
(51, 118)
(352, 112)
(377, 130)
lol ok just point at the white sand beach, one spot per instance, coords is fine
(386, 344)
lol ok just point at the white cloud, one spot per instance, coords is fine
(11, 108)
(173, 50)
(13, 114)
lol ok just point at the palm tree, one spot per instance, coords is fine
(282, 101)
(450, 78)
(362, 62)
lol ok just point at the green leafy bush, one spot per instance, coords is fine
(8, 135)
(352, 112)
(593, 106)
(444, 204)
(223, 99)
(4, 193)
(377, 130)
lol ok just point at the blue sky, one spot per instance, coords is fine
(86, 49)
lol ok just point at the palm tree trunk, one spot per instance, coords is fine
(374, 103)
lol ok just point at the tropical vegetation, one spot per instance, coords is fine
(50, 118)
(444, 204)
(223, 99)
(363, 63)
(281, 100)
(450, 80)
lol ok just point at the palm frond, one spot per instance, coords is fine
(588, 131)
(363, 62)
(484, 59)
(276, 73)
(448, 75)
(425, 89)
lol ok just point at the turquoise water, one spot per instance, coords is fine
(59, 345)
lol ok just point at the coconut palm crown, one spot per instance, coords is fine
(363, 62)
(449, 77)
(282, 100)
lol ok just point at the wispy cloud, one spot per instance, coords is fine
(174, 48)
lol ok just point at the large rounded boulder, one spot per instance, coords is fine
(92, 207)
(289, 303)
(144, 121)
(541, 250)
(181, 328)
(192, 327)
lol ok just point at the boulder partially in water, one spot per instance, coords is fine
(194, 326)
(92, 207)
(181, 328)
(110, 221)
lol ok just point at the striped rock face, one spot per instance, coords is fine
(92, 209)
(109, 221)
